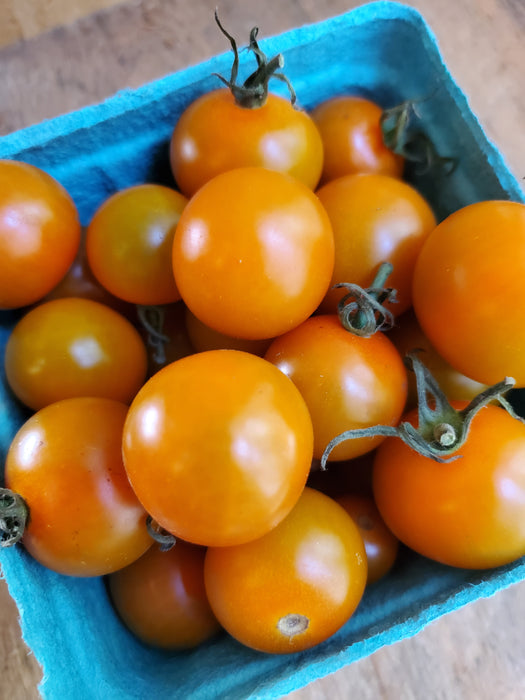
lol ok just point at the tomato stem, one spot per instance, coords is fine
(162, 537)
(14, 515)
(152, 319)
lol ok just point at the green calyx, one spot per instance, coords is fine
(442, 429)
(162, 537)
(14, 515)
(254, 91)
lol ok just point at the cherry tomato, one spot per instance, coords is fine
(347, 381)
(408, 336)
(162, 600)
(468, 290)
(205, 338)
(381, 545)
(375, 219)
(39, 233)
(295, 586)
(129, 243)
(352, 138)
(218, 447)
(66, 462)
(74, 347)
(469, 512)
(215, 134)
(253, 253)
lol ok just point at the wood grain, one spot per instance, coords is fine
(474, 653)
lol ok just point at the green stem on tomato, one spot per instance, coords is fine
(14, 515)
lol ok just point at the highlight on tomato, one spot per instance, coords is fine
(161, 597)
(70, 500)
(253, 253)
(294, 587)
(218, 447)
(39, 233)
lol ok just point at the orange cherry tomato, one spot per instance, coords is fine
(74, 347)
(381, 545)
(348, 382)
(218, 447)
(205, 338)
(294, 587)
(375, 219)
(352, 138)
(253, 253)
(468, 291)
(129, 243)
(468, 513)
(162, 600)
(39, 233)
(214, 134)
(66, 462)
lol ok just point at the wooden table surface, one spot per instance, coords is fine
(50, 65)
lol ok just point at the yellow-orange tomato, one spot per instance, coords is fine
(214, 134)
(74, 347)
(129, 241)
(375, 219)
(162, 600)
(218, 446)
(253, 253)
(66, 463)
(352, 138)
(205, 338)
(294, 587)
(39, 233)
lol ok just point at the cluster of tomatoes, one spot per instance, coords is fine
(204, 418)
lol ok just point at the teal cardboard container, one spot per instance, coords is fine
(381, 50)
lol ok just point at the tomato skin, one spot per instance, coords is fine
(312, 565)
(66, 462)
(253, 253)
(129, 241)
(468, 290)
(214, 135)
(162, 600)
(352, 138)
(39, 233)
(205, 338)
(216, 461)
(74, 347)
(375, 219)
(467, 513)
(348, 382)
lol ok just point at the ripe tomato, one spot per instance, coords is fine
(352, 138)
(253, 253)
(66, 462)
(74, 347)
(162, 600)
(468, 290)
(375, 219)
(39, 233)
(295, 586)
(214, 134)
(129, 242)
(469, 512)
(205, 338)
(348, 382)
(218, 447)
(381, 545)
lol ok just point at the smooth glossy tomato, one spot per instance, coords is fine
(129, 241)
(66, 462)
(468, 290)
(39, 233)
(381, 545)
(348, 382)
(74, 347)
(469, 512)
(375, 219)
(162, 600)
(218, 447)
(408, 336)
(352, 138)
(253, 253)
(205, 338)
(215, 134)
(294, 587)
